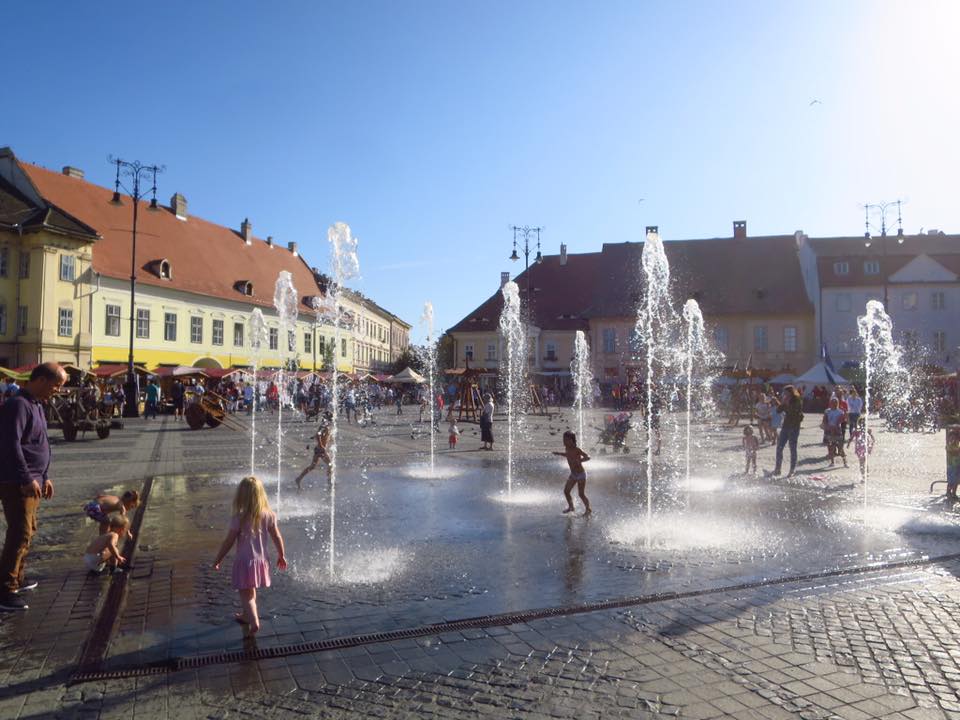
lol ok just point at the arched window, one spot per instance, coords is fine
(165, 270)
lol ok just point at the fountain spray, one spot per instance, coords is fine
(431, 360)
(287, 305)
(344, 265)
(582, 378)
(512, 329)
(258, 336)
(695, 344)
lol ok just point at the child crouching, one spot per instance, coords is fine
(103, 550)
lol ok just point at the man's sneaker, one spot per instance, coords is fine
(28, 584)
(12, 602)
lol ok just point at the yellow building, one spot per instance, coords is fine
(197, 283)
(379, 336)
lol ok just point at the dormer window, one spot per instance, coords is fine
(841, 268)
(244, 287)
(162, 269)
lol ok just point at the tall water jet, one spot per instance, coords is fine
(344, 265)
(582, 379)
(882, 361)
(431, 362)
(258, 337)
(287, 305)
(695, 345)
(653, 329)
(514, 337)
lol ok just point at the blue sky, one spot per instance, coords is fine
(430, 127)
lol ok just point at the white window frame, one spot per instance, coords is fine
(790, 338)
(23, 316)
(609, 340)
(65, 322)
(196, 330)
(841, 267)
(761, 338)
(871, 267)
(143, 323)
(216, 332)
(68, 267)
(550, 352)
(938, 300)
(468, 351)
(112, 322)
(491, 351)
(170, 323)
(238, 326)
(307, 342)
(274, 338)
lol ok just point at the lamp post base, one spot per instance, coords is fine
(131, 391)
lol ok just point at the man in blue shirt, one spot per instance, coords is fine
(23, 475)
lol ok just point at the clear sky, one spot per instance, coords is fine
(430, 127)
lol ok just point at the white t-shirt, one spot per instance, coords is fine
(834, 417)
(855, 405)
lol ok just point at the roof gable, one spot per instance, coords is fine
(923, 269)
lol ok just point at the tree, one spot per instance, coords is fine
(411, 357)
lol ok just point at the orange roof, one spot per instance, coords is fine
(204, 258)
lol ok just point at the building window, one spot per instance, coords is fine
(217, 332)
(789, 339)
(4, 257)
(468, 351)
(274, 338)
(843, 302)
(24, 264)
(170, 327)
(721, 337)
(3, 319)
(21, 319)
(165, 270)
(291, 340)
(68, 268)
(196, 329)
(322, 345)
(343, 347)
(910, 300)
(112, 323)
(551, 352)
(760, 338)
(143, 323)
(238, 334)
(940, 341)
(871, 267)
(491, 351)
(609, 340)
(307, 343)
(938, 300)
(841, 268)
(65, 325)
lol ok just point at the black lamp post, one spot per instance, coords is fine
(882, 209)
(526, 233)
(136, 171)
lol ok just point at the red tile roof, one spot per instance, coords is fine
(722, 274)
(205, 258)
(945, 249)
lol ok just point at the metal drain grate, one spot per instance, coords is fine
(475, 623)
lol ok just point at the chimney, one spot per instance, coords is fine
(739, 229)
(292, 247)
(504, 278)
(73, 172)
(269, 240)
(563, 254)
(178, 203)
(653, 229)
(246, 230)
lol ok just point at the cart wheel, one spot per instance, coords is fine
(195, 416)
(69, 430)
(103, 430)
(213, 421)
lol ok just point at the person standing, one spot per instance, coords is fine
(177, 393)
(854, 408)
(153, 399)
(23, 476)
(486, 422)
(792, 406)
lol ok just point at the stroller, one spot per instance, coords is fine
(614, 432)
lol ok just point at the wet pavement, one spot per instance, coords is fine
(412, 550)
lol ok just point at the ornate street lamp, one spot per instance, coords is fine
(882, 209)
(136, 171)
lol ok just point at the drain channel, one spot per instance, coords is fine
(480, 622)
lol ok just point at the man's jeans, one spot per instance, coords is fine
(21, 516)
(791, 435)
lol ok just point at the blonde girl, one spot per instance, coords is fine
(251, 523)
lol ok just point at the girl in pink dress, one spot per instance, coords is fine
(251, 523)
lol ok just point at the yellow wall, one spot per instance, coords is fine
(156, 350)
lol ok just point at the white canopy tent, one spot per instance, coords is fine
(406, 376)
(821, 374)
(782, 379)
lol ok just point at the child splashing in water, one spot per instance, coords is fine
(578, 476)
(252, 521)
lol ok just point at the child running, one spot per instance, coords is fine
(252, 521)
(832, 426)
(103, 506)
(320, 451)
(750, 447)
(103, 548)
(453, 434)
(578, 476)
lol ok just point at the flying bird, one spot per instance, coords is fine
(815, 102)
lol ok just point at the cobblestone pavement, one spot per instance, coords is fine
(874, 644)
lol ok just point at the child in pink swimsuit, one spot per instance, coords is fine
(252, 522)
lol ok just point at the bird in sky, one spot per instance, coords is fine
(815, 102)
